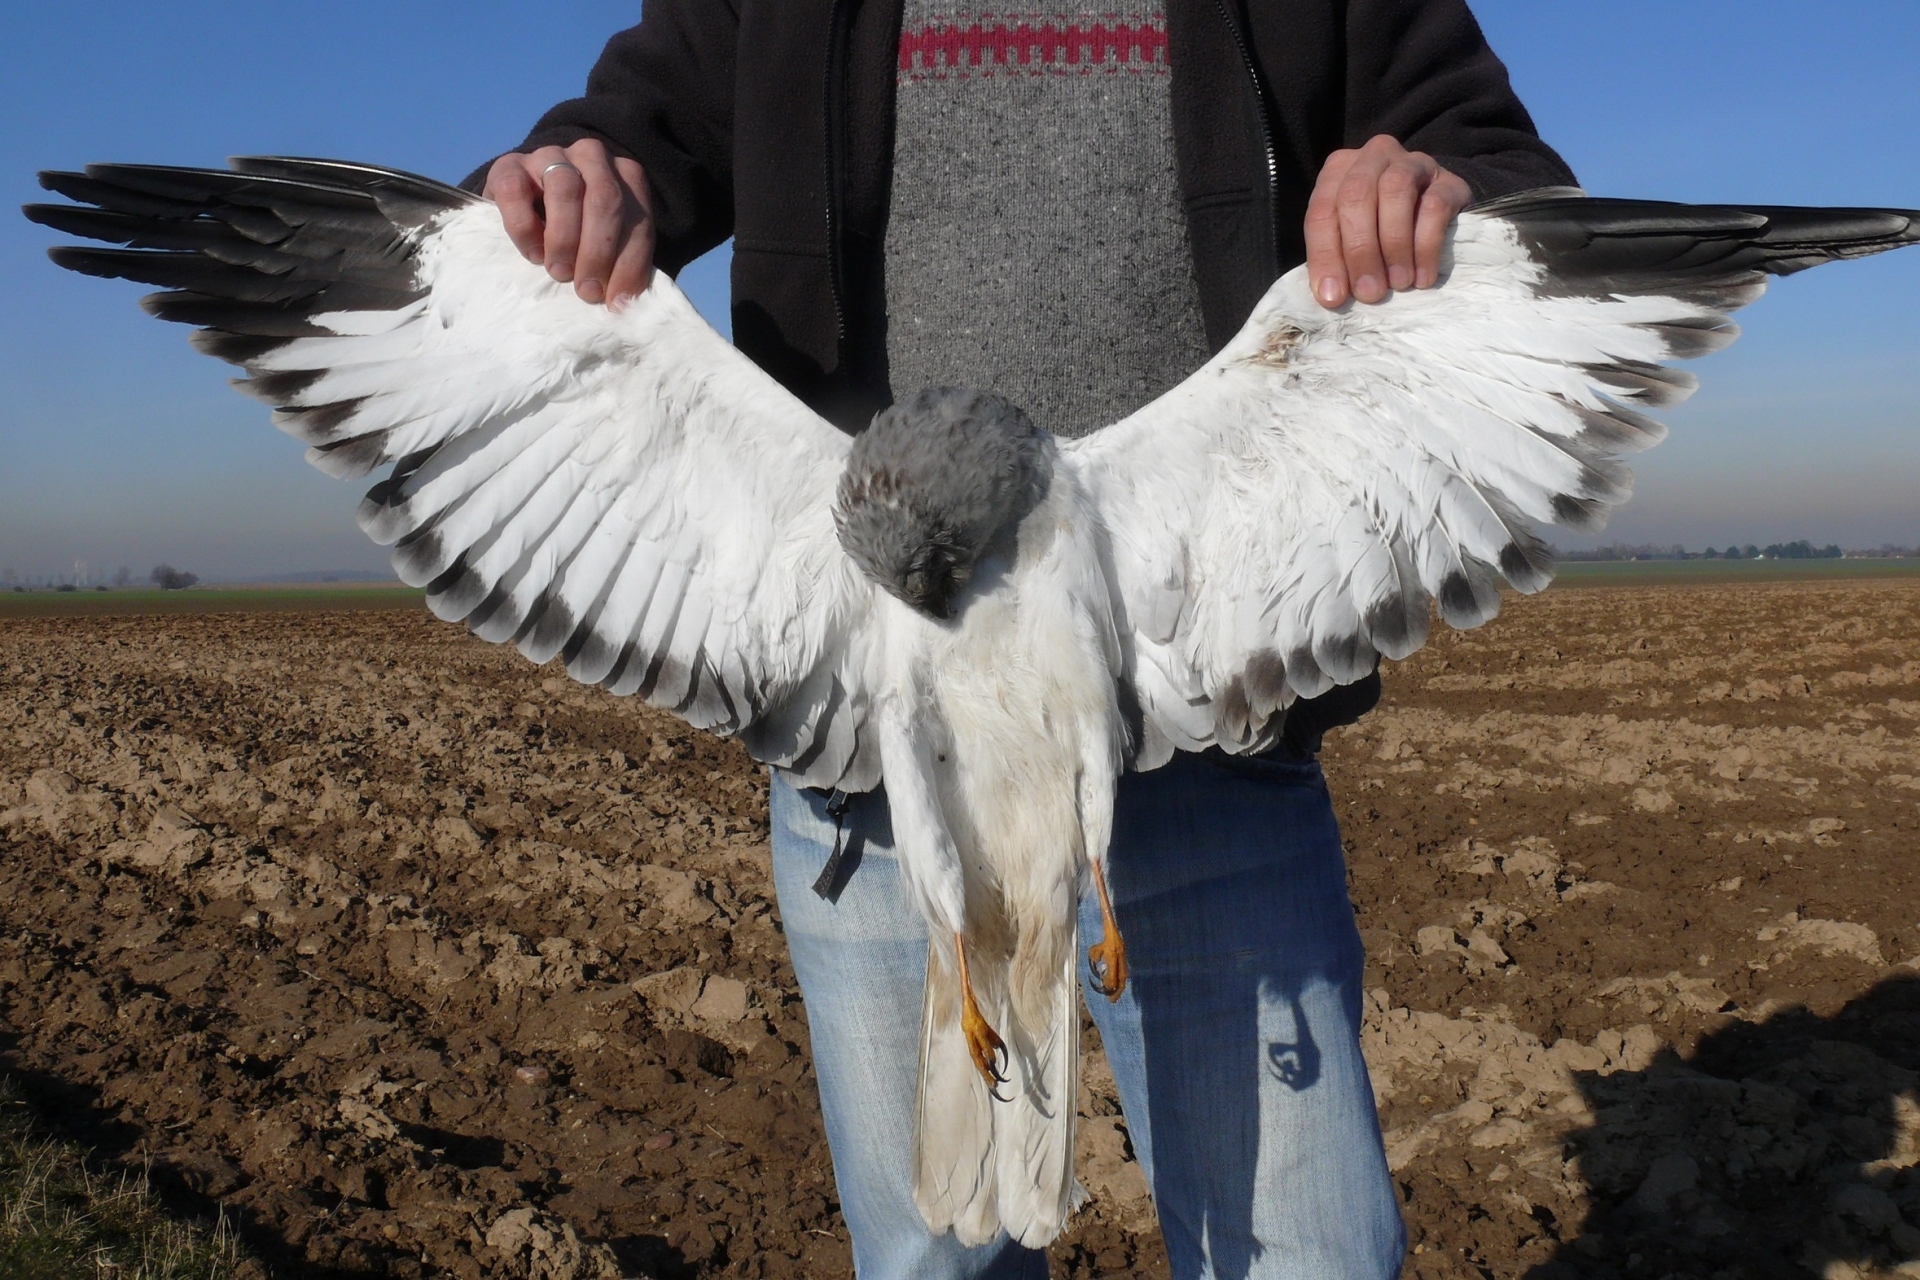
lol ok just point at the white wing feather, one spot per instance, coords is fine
(624, 490)
(1283, 518)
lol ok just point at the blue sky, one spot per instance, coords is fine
(119, 446)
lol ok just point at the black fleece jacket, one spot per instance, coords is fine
(772, 121)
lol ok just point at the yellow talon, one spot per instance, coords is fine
(988, 1050)
(1108, 957)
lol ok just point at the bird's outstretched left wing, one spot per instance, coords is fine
(626, 491)
(1282, 519)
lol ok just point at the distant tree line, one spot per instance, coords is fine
(1800, 550)
(168, 578)
(164, 576)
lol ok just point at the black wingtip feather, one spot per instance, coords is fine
(277, 388)
(347, 173)
(548, 625)
(205, 187)
(78, 220)
(353, 458)
(420, 560)
(1386, 625)
(489, 606)
(1618, 429)
(1266, 682)
(187, 307)
(455, 594)
(1456, 595)
(1648, 384)
(586, 651)
(88, 190)
(618, 671)
(1715, 255)
(1528, 567)
(1691, 339)
(254, 250)
(1305, 675)
(198, 272)
(320, 425)
(1346, 658)
(1583, 515)
(234, 348)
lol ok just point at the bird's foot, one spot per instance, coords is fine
(988, 1050)
(1108, 958)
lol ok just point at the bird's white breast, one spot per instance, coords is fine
(1020, 689)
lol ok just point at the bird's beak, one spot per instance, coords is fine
(935, 604)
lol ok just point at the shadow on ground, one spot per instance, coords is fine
(70, 1113)
(199, 1188)
(1777, 1149)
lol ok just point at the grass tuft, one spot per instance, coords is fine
(62, 1220)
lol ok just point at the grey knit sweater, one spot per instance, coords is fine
(1035, 242)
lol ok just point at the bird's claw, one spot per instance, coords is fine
(988, 1050)
(1108, 960)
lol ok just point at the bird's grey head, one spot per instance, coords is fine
(931, 484)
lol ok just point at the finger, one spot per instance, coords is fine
(633, 269)
(1441, 204)
(1359, 208)
(1402, 186)
(514, 191)
(603, 221)
(1326, 264)
(563, 193)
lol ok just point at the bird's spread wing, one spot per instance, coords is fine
(625, 491)
(1282, 519)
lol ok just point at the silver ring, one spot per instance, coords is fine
(557, 164)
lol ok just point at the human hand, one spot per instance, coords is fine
(1377, 220)
(582, 213)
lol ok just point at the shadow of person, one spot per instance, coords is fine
(184, 1189)
(1249, 1107)
(1778, 1148)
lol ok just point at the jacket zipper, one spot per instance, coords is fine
(835, 162)
(1266, 128)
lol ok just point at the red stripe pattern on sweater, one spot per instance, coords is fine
(970, 45)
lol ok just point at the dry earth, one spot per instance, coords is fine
(423, 962)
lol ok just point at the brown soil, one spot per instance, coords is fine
(419, 961)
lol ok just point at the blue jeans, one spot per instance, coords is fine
(1235, 1047)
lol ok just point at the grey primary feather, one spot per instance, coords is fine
(930, 483)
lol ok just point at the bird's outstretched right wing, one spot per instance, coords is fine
(625, 491)
(1281, 520)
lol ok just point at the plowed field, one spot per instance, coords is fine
(420, 961)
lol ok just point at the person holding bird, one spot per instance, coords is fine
(1110, 393)
(1072, 210)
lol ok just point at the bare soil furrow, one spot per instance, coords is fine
(421, 961)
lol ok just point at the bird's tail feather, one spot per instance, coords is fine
(983, 1166)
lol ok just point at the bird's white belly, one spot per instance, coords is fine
(1025, 699)
(1009, 784)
